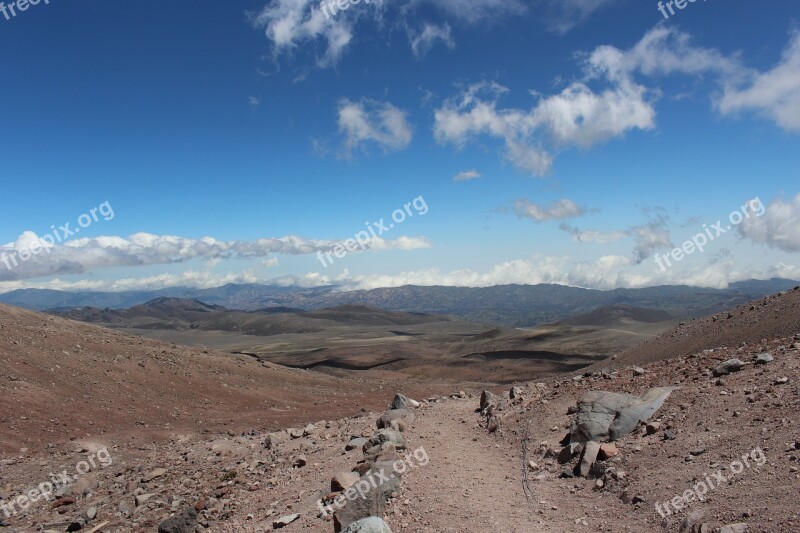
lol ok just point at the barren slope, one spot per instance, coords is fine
(770, 317)
(61, 379)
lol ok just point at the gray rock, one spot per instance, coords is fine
(606, 416)
(488, 399)
(403, 402)
(377, 486)
(569, 452)
(384, 436)
(515, 392)
(355, 444)
(403, 417)
(638, 371)
(183, 522)
(373, 524)
(727, 367)
(590, 452)
(764, 358)
(284, 521)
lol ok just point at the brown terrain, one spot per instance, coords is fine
(254, 446)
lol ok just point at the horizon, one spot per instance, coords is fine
(598, 144)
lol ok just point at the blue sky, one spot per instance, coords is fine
(553, 141)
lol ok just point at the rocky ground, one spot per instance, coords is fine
(731, 421)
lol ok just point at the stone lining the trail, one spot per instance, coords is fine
(362, 494)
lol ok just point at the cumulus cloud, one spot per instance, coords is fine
(778, 227)
(425, 39)
(467, 175)
(577, 116)
(774, 94)
(558, 210)
(80, 255)
(369, 121)
(584, 115)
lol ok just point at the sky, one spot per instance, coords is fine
(592, 143)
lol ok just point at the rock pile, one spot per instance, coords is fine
(358, 498)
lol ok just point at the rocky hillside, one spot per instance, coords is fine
(773, 316)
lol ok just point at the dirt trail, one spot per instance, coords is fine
(472, 482)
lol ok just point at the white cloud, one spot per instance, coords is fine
(577, 116)
(774, 94)
(371, 121)
(81, 255)
(467, 175)
(558, 210)
(290, 23)
(422, 42)
(778, 227)
(662, 51)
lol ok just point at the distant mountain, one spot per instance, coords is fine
(506, 305)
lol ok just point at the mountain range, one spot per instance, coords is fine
(504, 305)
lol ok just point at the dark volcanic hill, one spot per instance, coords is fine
(182, 314)
(616, 315)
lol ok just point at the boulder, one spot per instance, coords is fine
(727, 367)
(373, 524)
(403, 417)
(604, 416)
(368, 497)
(515, 392)
(403, 402)
(183, 522)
